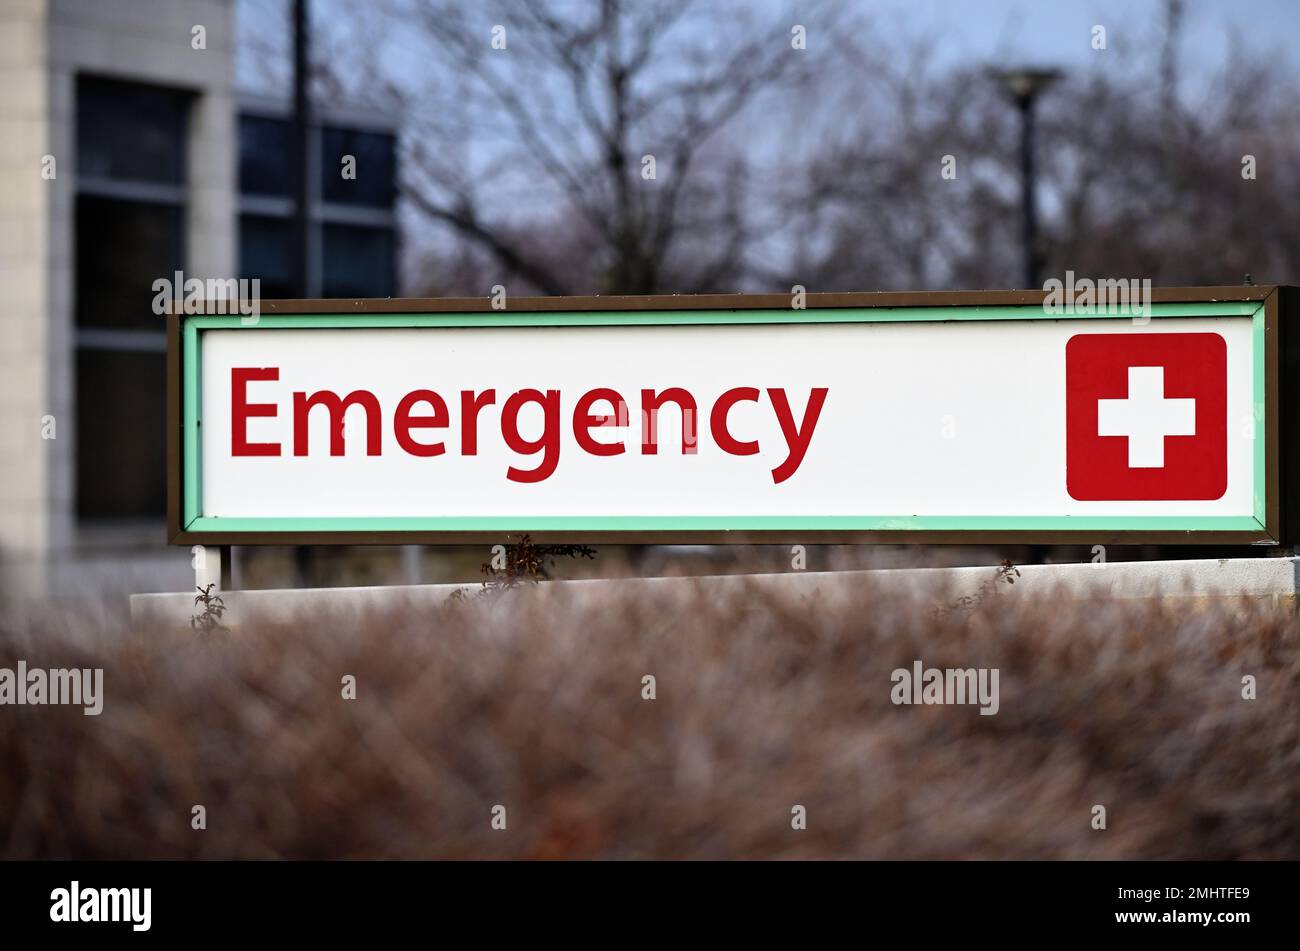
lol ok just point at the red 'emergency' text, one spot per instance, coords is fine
(597, 418)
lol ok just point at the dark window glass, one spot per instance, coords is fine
(265, 156)
(122, 248)
(126, 133)
(121, 422)
(266, 253)
(376, 167)
(358, 262)
(130, 132)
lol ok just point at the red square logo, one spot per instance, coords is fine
(1146, 416)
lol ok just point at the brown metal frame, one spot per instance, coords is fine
(1282, 378)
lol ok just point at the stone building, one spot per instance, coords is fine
(126, 154)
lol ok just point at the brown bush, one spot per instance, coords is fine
(532, 700)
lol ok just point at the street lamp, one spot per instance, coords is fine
(1023, 87)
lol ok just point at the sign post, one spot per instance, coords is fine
(984, 417)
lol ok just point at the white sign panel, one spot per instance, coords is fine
(1041, 424)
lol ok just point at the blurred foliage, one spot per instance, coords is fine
(768, 695)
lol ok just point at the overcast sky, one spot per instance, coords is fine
(1052, 32)
(1060, 31)
(1055, 33)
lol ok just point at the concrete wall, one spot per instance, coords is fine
(25, 222)
(1272, 580)
(44, 45)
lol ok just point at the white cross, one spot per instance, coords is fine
(1146, 417)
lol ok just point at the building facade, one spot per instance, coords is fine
(126, 156)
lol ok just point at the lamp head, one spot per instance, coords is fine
(1023, 84)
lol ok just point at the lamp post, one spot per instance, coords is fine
(301, 158)
(1023, 87)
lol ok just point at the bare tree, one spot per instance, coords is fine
(1184, 192)
(1145, 177)
(600, 125)
(672, 145)
(912, 187)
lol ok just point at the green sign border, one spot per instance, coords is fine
(194, 524)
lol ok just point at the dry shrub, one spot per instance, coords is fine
(765, 699)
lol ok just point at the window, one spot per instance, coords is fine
(121, 433)
(123, 246)
(265, 253)
(129, 231)
(127, 132)
(375, 167)
(358, 261)
(265, 157)
(352, 248)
